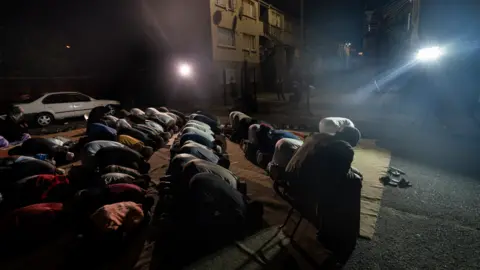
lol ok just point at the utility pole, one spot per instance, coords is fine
(302, 26)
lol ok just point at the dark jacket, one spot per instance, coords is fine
(122, 156)
(35, 146)
(13, 130)
(178, 162)
(22, 167)
(215, 206)
(96, 115)
(209, 115)
(240, 131)
(196, 166)
(99, 131)
(317, 169)
(267, 144)
(38, 189)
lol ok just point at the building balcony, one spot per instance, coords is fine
(273, 32)
(278, 27)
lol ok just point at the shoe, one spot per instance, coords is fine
(403, 183)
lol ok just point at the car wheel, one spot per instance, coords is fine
(44, 119)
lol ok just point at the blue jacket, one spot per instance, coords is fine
(200, 152)
(273, 137)
(98, 131)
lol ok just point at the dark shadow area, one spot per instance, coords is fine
(452, 154)
(427, 144)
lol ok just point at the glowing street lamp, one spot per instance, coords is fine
(67, 46)
(185, 70)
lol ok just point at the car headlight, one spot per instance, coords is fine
(429, 54)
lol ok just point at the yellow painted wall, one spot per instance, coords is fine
(245, 25)
(272, 12)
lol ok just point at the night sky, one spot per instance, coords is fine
(33, 29)
(40, 30)
(329, 20)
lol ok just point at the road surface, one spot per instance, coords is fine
(433, 225)
(59, 126)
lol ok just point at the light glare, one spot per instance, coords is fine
(429, 54)
(185, 70)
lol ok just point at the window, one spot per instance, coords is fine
(232, 4)
(276, 20)
(80, 98)
(222, 3)
(249, 42)
(249, 9)
(228, 4)
(225, 37)
(57, 98)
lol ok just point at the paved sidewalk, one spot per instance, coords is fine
(388, 111)
(422, 138)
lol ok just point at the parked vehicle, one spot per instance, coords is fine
(60, 105)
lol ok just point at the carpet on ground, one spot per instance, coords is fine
(371, 160)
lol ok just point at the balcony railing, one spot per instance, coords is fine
(273, 32)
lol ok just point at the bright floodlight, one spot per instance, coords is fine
(185, 70)
(429, 54)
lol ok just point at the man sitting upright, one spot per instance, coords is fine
(326, 190)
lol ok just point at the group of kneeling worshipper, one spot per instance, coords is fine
(13, 128)
(111, 196)
(315, 171)
(107, 195)
(199, 165)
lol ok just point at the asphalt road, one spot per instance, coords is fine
(59, 126)
(433, 225)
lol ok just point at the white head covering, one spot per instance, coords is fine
(164, 116)
(232, 115)
(70, 156)
(151, 111)
(237, 117)
(330, 125)
(136, 111)
(56, 141)
(252, 133)
(112, 118)
(122, 123)
(174, 116)
(284, 150)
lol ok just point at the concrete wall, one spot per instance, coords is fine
(230, 58)
(228, 19)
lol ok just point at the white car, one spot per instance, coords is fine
(60, 105)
